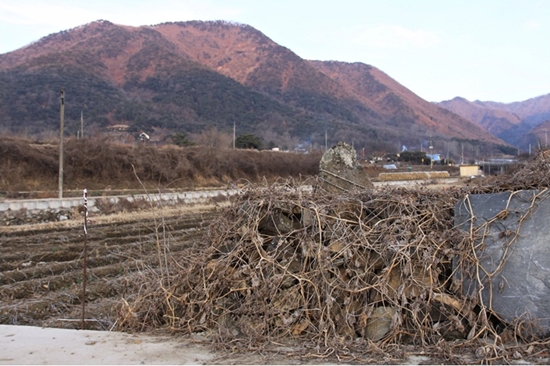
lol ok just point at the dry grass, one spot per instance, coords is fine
(97, 164)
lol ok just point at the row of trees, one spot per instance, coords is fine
(216, 139)
(462, 151)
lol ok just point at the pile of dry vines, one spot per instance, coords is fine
(344, 273)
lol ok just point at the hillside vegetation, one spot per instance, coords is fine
(99, 164)
(187, 77)
(519, 124)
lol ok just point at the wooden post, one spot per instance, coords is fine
(61, 130)
(84, 264)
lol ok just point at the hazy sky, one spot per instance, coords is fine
(496, 50)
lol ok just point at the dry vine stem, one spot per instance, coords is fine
(340, 274)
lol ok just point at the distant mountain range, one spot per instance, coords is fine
(191, 76)
(520, 123)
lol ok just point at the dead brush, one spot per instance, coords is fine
(332, 275)
(285, 263)
(531, 174)
(96, 161)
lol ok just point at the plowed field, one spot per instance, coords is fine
(41, 266)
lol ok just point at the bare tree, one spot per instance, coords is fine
(213, 138)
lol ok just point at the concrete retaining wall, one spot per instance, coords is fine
(67, 203)
(188, 197)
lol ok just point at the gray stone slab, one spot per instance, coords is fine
(513, 248)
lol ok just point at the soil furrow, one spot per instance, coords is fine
(41, 278)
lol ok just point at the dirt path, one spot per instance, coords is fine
(50, 346)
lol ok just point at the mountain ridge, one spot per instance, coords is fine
(518, 123)
(189, 76)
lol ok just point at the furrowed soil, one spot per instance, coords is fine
(41, 280)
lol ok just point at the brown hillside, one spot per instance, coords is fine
(189, 76)
(533, 110)
(387, 96)
(107, 49)
(515, 123)
(538, 136)
(490, 118)
(247, 56)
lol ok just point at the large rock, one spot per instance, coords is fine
(514, 258)
(379, 323)
(340, 172)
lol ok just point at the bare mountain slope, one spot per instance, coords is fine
(491, 119)
(189, 76)
(249, 57)
(532, 111)
(106, 49)
(393, 99)
(516, 123)
(538, 135)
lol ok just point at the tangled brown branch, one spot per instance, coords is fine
(342, 274)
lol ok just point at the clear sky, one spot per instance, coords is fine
(497, 50)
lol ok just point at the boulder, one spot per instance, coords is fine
(339, 170)
(512, 231)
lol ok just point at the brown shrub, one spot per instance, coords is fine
(96, 163)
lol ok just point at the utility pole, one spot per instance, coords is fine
(233, 135)
(326, 141)
(81, 125)
(431, 154)
(61, 128)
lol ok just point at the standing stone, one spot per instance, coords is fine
(515, 254)
(339, 170)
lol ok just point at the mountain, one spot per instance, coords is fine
(491, 119)
(519, 123)
(190, 76)
(538, 136)
(125, 75)
(532, 111)
(400, 106)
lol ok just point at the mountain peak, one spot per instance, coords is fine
(189, 76)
